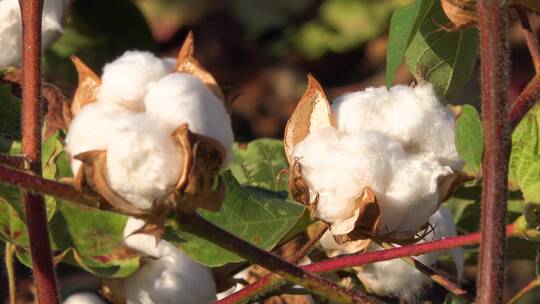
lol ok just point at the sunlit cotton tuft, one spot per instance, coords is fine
(399, 142)
(170, 277)
(11, 29)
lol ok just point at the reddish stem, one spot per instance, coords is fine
(494, 70)
(34, 204)
(268, 282)
(530, 38)
(525, 102)
(12, 160)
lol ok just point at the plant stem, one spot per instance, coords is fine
(38, 184)
(530, 286)
(435, 276)
(12, 160)
(10, 269)
(197, 225)
(243, 297)
(530, 38)
(34, 204)
(494, 74)
(369, 257)
(524, 102)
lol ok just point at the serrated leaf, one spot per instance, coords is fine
(445, 59)
(469, 140)
(261, 163)
(403, 27)
(256, 215)
(525, 156)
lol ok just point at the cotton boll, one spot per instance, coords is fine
(182, 98)
(170, 64)
(92, 128)
(143, 161)
(337, 166)
(397, 278)
(172, 277)
(413, 116)
(334, 249)
(125, 80)
(11, 29)
(83, 298)
(412, 195)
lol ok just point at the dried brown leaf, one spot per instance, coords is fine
(203, 157)
(448, 184)
(312, 113)
(113, 290)
(462, 13)
(298, 187)
(186, 63)
(87, 88)
(58, 115)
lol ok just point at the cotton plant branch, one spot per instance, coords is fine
(199, 226)
(435, 276)
(13, 160)
(335, 264)
(494, 59)
(530, 94)
(10, 269)
(34, 204)
(530, 286)
(240, 297)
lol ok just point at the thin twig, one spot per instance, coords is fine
(199, 226)
(524, 102)
(242, 297)
(494, 59)
(34, 204)
(435, 276)
(530, 286)
(530, 38)
(10, 269)
(14, 161)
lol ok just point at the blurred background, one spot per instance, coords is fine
(260, 52)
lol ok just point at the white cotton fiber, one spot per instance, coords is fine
(11, 29)
(144, 163)
(413, 116)
(182, 98)
(125, 80)
(92, 129)
(171, 277)
(412, 195)
(338, 165)
(397, 278)
(83, 298)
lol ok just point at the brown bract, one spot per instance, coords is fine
(199, 184)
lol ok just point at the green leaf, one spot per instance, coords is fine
(525, 157)
(10, 115)
(403, 27)
(96, 240)
(445, 59)
(258, 216)
(261, 164)
(469, 140)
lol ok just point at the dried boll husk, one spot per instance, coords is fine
(366, 160)
(199, 157)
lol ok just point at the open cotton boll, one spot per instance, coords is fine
(92, 128)
(412, 195)
(171, 278)
(11, 29)
(83, 298)
(413, 116)
(397, 278)
(125, 80)
(143, 161)
(182, 98)
(338, 165)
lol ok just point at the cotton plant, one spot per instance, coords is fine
(11, 28)
(375, 163)
(150, 136)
